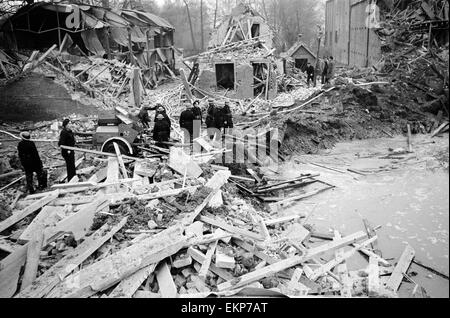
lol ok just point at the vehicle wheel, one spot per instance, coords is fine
(109, 147)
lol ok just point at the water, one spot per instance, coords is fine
(410, 202)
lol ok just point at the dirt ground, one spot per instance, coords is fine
(349, 113)
(37, 98)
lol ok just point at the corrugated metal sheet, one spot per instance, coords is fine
(347, 37)
(155, 20)
(92, 42)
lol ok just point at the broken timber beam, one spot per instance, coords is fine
(200, 258)
(207, 261)
(401, 268)
(47, 281)
(112, 269)
(167, 287)
(10, 268)
(232, 229)
(99, 153)
(16, 217)
(290, 262)
(33, 254)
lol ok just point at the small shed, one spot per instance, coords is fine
(300, 55)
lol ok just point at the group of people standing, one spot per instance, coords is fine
(326, 68)
(218, 117)
(162, 124)
(31, 161)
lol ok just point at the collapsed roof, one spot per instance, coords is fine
(132, 36)
(38, 25)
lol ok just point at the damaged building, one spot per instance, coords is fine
(240, 57)
(136, 37)
(297, 57)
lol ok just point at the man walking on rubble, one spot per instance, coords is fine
(31, 162)
(67, 138)
(331, 66)
(309, 73)
(187, 118)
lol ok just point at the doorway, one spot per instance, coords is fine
(225, 76)
(301, 64)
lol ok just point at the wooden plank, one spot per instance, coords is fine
(290, 262)
(200, 258)
(73, 184)
(374, 277)
(47, 281)
(302, 196)
(99, 153)
(401, 268)
(283, 219)
(146, 294)
(438, 130)
(33, 254)
(264, 231)
(229, 228)
(186, 85)
(342, 272)
(8, 246)
(128, 286)
(10, 268)
(78, 223)
(18, 216)
(46, 217)
(207, 262)
(99, 176)
(112, 269)
(120, 160)
(371, 233)
(181, 162)
(78, 200)
(202, 142)
(322, 270)
(167, 287)
(112, 175)
(215, 183)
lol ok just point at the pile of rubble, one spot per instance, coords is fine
(415, 51)
(180, 227)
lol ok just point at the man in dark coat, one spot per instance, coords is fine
(144, 117)
(67, 138)
(210, 124)
(187, 118)
(31, 162)
(331, 69)
(161, 128)
(309, 73)
(223, 119)
(198, 121)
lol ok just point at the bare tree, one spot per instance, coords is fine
(201, 26)
(215, 14)
(190, 24)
